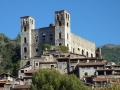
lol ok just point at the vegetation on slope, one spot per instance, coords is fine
(111, 53)
(9, 54)
(46, 79)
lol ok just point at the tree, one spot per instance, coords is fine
(46, 46)
(46, 79)
(63, 48)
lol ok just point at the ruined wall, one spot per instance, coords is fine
(81, 46)
(41, 36)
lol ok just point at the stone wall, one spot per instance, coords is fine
(79, 44)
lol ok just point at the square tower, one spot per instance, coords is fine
(27, 24)
(62, 29)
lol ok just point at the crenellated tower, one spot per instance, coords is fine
(62, 29)
(27, 24)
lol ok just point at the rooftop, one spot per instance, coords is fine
(91, 64)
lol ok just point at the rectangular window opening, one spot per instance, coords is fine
(22, 71)
(36, 64)
(24, 28)
(59, 35)
(25, 49)
(36, 50)
(60, 44)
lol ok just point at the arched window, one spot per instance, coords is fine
(82, 52)
(60, 24)
(91, 55)
(87, 54)
(25, 49)
(59, 35)
(57, 17)
(67, 24)
(24, 28)
(25, 40)
(66, 15)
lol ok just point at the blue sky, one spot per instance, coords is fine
(94, 20)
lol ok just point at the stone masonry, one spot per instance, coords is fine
(55, 34)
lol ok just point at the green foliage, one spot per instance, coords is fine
(111, 53)
(9, 54)
(63, 48)
(46, 79)
(46, 46)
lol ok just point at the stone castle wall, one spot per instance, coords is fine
(78, 44)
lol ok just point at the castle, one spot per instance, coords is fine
(55, 34)
(83, 60)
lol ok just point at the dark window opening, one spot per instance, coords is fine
(27, 22)
(78, 49)
(25, 40)
(52, 66)
(32, 21)
(67, 24)
(22, 71)
(25, 57)
(51, 34)
(24, 28)
(91, 55)
(86, 73)
(87, 54)
(66, 15)
(36, 64)
(60, 24)
(43, 35)
(36, 35)
(101, 73)
(25, 49)
(59, 35)
(36, 50)
(57, 17)
(43, 40)
(51, 39)
(36, 40)
(67, 36)
(60, 44)
(82, 52)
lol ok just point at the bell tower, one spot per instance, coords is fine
(62, 29)
(27, 24)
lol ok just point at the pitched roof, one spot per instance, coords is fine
(47, 62)
(27, 77)
(21, 87)
(91, 64)
(30, 71)
(23, 67)
(2, 88)
(104, 79)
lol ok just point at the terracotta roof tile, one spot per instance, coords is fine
(23, 67)
(104, 79)
(30, 71)
(2, 88)
(21, 87)
(91, 64)
(27, 77)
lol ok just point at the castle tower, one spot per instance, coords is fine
(27, 24)
(62, 29)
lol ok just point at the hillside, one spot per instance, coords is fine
(9, 54)
(111, 52)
